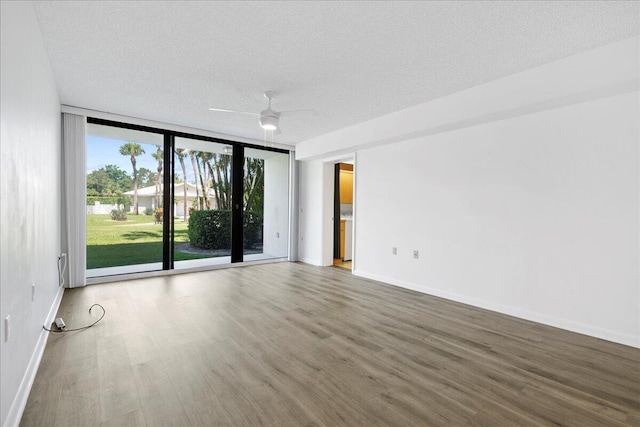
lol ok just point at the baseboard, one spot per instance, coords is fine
(20, 402)
(581, 328)
(311, 261)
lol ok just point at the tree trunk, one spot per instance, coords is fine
(224, 181)
(193, 166)
(205, 191)
(185, 216)
(158, 184)
(216, 187)
(253, 189)
(135, 185)
(253, 184)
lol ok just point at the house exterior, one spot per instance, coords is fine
(147, 198)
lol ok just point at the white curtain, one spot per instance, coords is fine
(73, 135)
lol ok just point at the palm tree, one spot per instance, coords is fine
(192, 156)
(219, 166)
(182, 153)
(159, 156)
(133, 149)
(204, 182)
(253, 184)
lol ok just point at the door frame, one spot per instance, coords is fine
(328, 207)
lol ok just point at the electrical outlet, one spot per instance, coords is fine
(7, 327)
(395, 251)
(415, 254)
(33, 292)
(60, 324)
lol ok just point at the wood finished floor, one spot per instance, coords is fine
(289, 344)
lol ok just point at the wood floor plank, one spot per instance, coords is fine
(153, 383)
(79, 402)
(118, 393)
(206, 412)
(132, 419)
(170, 415)
(290, 344)
(43, 401)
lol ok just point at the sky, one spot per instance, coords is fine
(105, 151)
(102, 151)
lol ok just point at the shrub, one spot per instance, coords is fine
(252, 229)
(210, 229)
(118, 215)
(148, 211)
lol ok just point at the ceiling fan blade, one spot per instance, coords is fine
(298, 113)
(233, 111)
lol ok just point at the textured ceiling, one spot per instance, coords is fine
(350, 61)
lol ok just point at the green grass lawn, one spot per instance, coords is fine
(135, 241)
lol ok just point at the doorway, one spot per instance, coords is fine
(343, 215)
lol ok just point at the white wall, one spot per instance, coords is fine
(535, 216)
(276, 205)
(30, 196)
(521, 195)
(310, 218)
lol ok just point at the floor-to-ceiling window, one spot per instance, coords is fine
(158, 199)
(202, 203)
(266, 204)
(124, 197)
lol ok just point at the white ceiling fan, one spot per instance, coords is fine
(269, 119)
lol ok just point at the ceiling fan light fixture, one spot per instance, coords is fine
(269, 122)
(269, 119)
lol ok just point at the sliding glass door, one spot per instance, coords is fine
(202, 203)
(266, 204)
(159, 200)
(124, 200)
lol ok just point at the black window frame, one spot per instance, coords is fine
(237, 183)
